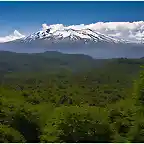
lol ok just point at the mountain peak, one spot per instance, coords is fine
(14, 36)
(17, 34)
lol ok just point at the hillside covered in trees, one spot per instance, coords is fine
(54, 97)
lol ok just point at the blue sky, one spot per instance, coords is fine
(28, 17)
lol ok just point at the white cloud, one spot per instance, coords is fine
(125, 30)
(14, 36)
(44, 27)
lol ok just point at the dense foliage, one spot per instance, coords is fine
(54, 97)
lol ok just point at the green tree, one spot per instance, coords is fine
(122, 117)
(78, 124)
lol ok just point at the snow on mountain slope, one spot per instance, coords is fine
(69, 34)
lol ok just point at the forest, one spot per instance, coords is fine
(55, 97)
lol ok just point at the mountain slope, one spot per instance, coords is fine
(71, 35)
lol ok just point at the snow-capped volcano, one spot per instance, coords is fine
(112, 32)
(71, 35)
